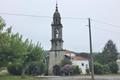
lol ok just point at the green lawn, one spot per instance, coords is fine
(6, 76)
(10, 77)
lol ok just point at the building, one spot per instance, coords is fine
(118, 63)
(81, 62)
(57, 53)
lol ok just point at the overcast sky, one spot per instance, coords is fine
(75, 31)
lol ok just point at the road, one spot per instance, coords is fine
(110, 77)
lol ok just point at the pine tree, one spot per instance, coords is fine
(109, 53)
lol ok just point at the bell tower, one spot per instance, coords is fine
(56, 53)
(56, 42)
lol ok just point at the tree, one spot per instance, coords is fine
(4, 43)
(35, 54)
(107, 59)
(100, 68)
(109, 53)
(113, 67)
(14, 50)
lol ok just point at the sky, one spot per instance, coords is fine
(105, 15)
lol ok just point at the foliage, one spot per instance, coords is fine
(109, 53)
(76, 70)
(107, 59)
(64, 62)
(35, 54)
(15, 68)
(100, 68)
(87, 71)
(13, 49)
(36, 69)
(4, 39)
(12, 77)
(67, 69)
(113, 67)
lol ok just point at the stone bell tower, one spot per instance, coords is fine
(56, 42)
(56, 54)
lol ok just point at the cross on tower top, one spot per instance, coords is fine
(56, 5)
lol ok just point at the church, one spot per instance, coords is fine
(57, 53)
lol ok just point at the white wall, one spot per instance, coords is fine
(118, 63)
(83, 64)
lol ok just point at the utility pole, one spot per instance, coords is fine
(91, 54)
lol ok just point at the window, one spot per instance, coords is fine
(82, 64)
(57, 33)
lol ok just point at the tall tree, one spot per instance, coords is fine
(14, 49)
(109, 53)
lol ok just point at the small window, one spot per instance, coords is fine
(82, 64)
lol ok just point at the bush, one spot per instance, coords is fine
(67, 70)
(15, 68)
(106, 69)
(113, 67)
(76, 70)
(98, 68)
(36, 69)
(101, 69)
(87, 71)
(65, 62)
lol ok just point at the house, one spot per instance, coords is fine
(77, 60)
(118, 63)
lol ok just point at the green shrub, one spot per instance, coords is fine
(65, 62)
(15, 68)
(106, 69)
(76, 70)
(101, 69)
(113, 67)
(36, 69)
(87, 71)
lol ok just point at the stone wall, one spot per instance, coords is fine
(55, 58)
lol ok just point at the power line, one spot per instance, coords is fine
(26, 15)
(73, 18)
(38, 16)
(101, 22)
(107, 30)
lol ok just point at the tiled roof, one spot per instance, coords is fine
(73, 55)
(79, 58)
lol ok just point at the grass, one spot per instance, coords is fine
(6, 76)
(11, 77)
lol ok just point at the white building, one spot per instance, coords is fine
(83, 63)
(118, 63)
